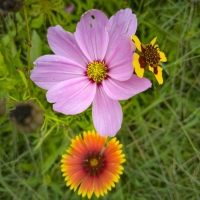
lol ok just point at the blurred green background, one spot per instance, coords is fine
(161, 126)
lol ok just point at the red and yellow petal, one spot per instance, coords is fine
(116, 158)
(137, 42)
(71, 160)
(137, 67)
(78, 144)
(158, 76)
(76, 153)
(92, 185)
(99, 188)
(114, 168)
(108, 179)
(112, 146)
(75, 180)
(71, 169)
(113, 152)
(93, 141)
(86, 187)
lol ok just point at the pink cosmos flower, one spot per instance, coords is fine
(93, 65)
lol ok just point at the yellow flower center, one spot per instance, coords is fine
(97, 71)
(152, 55)
(93, 162)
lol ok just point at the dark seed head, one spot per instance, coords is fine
(21, 112)
(152, 55)
(11, 5)
(94, 163)
(27, 117)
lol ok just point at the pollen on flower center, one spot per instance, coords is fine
(97, 71)
(94, 163)
(152, 55)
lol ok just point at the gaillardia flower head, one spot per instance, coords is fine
(149, 57)
(92, 65)
(92, 164)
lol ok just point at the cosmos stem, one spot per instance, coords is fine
(29, 50)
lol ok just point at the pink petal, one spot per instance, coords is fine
(72, 96)
(123, 22)
(119, 59)
(106, 113)
(91, 35)
(51, 69)
(63, 43)
(121, 90)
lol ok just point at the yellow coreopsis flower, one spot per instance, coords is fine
(148, 58)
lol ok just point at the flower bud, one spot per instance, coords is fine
(27, 117)
(10, 6)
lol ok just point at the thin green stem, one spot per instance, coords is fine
(29, 47)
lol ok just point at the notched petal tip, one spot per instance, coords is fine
(153, 41)
(158, 76)
(53, 29)
(162, 57)
(137, 42)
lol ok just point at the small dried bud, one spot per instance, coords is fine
(2, 107)
(27, 117)
(10, 6)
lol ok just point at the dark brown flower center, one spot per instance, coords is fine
(151, 55)
(94, 163)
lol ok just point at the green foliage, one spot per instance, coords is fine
(160, 131)
(3, 69)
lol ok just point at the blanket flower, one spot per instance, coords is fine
(92, 164)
